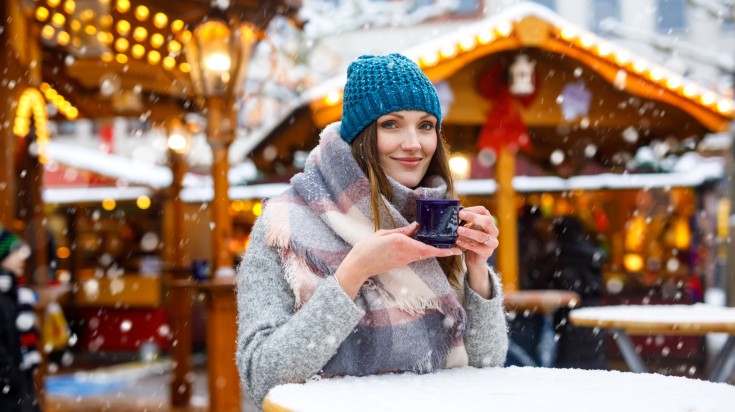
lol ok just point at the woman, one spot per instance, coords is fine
(333, 283)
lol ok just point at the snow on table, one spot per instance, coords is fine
(691, 318)
(505, 389)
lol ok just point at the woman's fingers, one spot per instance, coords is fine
(480, 238)
(427, 251)
(407, 230)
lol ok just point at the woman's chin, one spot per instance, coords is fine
(410, 183)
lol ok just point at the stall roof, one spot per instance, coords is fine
(529, 25)
(630, 91)
(134, 172)
(76, 195)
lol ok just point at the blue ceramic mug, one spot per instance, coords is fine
(438, 221)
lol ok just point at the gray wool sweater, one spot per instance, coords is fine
(277, 346)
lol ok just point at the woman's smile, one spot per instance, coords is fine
(408, 161)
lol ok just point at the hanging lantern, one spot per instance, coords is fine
(522, 76)
(635, 234)
(219, 55)
(683, 233)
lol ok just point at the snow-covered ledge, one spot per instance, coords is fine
(507, 390)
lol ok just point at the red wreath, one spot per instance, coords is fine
(504, 126)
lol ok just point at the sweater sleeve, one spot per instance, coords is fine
(487, 337)
(274, 344)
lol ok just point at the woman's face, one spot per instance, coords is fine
(407, 140)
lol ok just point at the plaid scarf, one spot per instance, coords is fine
(413, 319)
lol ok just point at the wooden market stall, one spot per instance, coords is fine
(526, 85)
(141, 59)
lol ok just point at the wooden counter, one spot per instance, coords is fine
(543, 301)
(221, 330)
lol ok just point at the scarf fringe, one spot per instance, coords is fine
(411, 304)
(296, 273)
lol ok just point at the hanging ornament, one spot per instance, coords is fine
(522, 76)
(574, 100)
(503, 126)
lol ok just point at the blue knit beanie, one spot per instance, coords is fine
(377, 85)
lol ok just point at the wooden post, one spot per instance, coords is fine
(12, 71)
(220, 133)
(180, 301)
(507, 220)
(224, 381)
(180, 296)
(30, 210)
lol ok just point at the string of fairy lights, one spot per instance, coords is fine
(117, 31)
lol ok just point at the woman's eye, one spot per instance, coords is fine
(427, 126)
(388, 125)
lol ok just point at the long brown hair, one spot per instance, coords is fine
(365, 152)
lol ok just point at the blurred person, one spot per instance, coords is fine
(529, 331)
(576, 265)
(333, 283)
(19, 336)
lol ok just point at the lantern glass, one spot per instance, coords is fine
(178, 137)
(218, 57)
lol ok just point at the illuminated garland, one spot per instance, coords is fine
(32, 103)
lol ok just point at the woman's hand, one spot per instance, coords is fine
(479, 240)
(382, 251)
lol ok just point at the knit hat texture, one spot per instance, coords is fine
(8, 243)
(377, 85)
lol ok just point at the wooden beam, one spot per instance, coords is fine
(507, 220)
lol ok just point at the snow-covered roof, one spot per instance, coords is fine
(592, 182)
(92, 194)
(702, 173)
(134, 172)
(109, 165)
(243, 146)
(451, 48)
(204, 194)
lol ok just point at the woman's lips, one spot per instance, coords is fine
(408, 161)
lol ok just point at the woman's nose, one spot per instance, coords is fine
(410, 141)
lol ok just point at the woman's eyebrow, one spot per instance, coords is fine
(394, 115)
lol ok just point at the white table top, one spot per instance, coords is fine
(505, 389)
(697, 318)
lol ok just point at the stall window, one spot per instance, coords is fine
(604, 9)
(670, 16)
